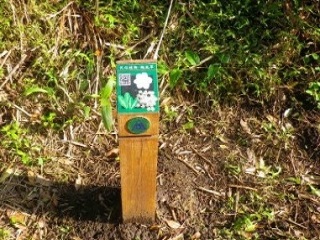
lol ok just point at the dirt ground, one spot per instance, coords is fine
(205, 185)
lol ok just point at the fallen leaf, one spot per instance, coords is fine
(197, 235)
(31, 177)
(5, 174)
(251, 156)
(287, 112)
(155, 227)
(250, 170)
(17, 218)
(223, 146)
(178, 237)
(43, 181)
(222, 139)
(245, 126)
(315, 219)
(113, 153)
(271, 119)
(65, 161)
(173, 224)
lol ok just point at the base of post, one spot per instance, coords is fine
(138, 167)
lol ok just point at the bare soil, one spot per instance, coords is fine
(208, 182)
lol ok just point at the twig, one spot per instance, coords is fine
(203, 157)
(57, 13)
(193, 19)
(13, 13)
(292, 163)
(150, 49)
(163, 31)
(189, 166)
(135, 45)
(24, 56)
(201, 62)
(97, 80)
(309, 198)
(236, 203)
(210, 191)
(295, 223)
(243, 187)
(74, 143)
(141, 41)
(22, 110)
(66, 93)
(114, 45)
(6, 54)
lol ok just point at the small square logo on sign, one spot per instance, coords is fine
(125, 79)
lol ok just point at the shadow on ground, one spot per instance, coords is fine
(62, 200)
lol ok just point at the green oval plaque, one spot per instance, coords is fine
(138, 125)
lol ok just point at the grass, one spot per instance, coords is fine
(242, 76)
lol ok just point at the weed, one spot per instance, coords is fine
(4, 234)
(171, 113)
(19, 144)
(314, 91)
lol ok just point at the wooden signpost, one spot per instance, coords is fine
(138, 121)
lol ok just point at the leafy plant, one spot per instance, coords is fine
(106, 107)
(315, 191)
(18, 144)
(127, 101)
(192, 58)
(247, 223)
(4, 234)
(314, 91)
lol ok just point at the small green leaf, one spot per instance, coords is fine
(34, 89)
(84, 84)
(106, 91)
(314, 191)
(162, 68)
(224, 58)
(129, 102)
(107, 119)
(127, 99)
(192, 58)
(213, 70)
(174, 75)
(189, 125)
(315, 56)
(122, 102)
(86, 111)
(134, 103)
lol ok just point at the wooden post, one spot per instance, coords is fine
(138, 121)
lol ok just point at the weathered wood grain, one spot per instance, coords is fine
(138, 167)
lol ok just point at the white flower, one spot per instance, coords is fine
(147, 99)
(143, 80)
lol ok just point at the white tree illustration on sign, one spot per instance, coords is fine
(143, 80)
(147, 99)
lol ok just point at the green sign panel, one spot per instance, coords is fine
(137, 87)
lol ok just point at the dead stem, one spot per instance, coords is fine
(203, 157)
(189, 165)
(243, 187)
(215, 193)
(57, 13)
(18, 66)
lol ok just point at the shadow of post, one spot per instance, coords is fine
(62, 200)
